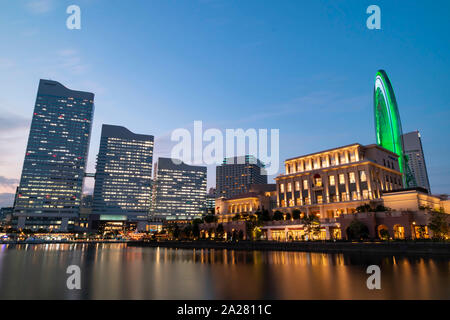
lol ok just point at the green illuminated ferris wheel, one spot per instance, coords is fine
(388, 126)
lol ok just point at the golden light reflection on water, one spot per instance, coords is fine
(115, 271)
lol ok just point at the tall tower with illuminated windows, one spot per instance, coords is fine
(179, 190)
(123, 182)
(50, 188)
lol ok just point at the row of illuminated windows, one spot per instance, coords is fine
(320, 199)
(330, 160)
(317, 180)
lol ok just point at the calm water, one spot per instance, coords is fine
(113, 271)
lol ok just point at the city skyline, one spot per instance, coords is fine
(303, 95)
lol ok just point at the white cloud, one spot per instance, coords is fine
(39, 6)
(8, 185)
(69, 59)
(6, 63)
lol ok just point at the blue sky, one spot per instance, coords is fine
(304, 67)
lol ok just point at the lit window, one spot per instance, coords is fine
(365, 194)
(351, 177)
(362, 175)
(281, 188)
(341, 178)
(332, 181)
(305, 184)
(319, 199)
(333, 160)
(317, 180)
(316, 164)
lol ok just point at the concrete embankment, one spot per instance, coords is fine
(407, 247)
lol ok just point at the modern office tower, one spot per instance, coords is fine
(52, 177)
(237, 174)
(179, 190)
(412, 143)
(123, 183)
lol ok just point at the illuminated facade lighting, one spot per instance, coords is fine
(336, 181)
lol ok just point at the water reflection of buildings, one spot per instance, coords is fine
(113, 271)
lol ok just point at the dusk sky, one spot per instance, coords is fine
(306, 68)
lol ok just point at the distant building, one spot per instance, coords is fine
(85, 211)
(416, 160)
(336, 181)
(123, 183)
(50, 188)
(6, 214)
(236, 174)
(179, 190)
(210, 203)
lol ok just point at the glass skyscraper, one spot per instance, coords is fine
(412, 142)
(50, 188)
(180, 190)
(123, 182)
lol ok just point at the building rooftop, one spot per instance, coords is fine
(342, 147)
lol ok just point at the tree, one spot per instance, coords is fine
(277, 215)
(384, 234)
(421, 230)
(220, 231)
(263, 216)
(364, 208)
(357, 230)
(176, 232)
(296, 214)
(236, 217)
(288, 216)
(439, 225)
(311, 224)
(381, 208)
(188, 230)
(210, 218)
(196, 227)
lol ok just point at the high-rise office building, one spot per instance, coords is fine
(123, 179)
(237, 174)
(51, 184)
(412, 143)
(179, 190)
